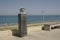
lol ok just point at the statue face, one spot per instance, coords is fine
(22, 9)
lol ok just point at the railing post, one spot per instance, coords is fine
(22, 23)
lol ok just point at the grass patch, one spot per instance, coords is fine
(8, 28)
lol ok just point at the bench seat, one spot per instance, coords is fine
(50, 26)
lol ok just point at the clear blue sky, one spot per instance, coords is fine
(33, 7)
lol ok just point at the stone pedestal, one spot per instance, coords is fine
(22, 24)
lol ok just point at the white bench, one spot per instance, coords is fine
(50, 26)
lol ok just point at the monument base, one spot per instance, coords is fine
(22, 25)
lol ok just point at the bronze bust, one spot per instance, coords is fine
(22, 9)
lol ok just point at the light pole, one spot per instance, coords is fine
(43, 15)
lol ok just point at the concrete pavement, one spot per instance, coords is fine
(38, 35)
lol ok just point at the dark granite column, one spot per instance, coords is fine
(22, 23)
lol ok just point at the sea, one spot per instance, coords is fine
(13, 19)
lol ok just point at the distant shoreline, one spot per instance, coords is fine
(32, 24)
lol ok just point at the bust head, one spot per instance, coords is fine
(22, 9)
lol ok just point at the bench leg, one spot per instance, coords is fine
(48, 28)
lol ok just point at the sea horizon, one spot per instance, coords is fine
(13, 19)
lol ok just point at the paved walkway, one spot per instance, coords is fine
(38, 35)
